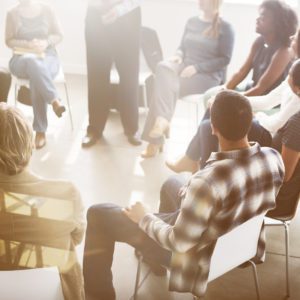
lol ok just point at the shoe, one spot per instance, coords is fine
(157, 269)
(152, 150)
(183, 164)
(89, 139)
(58, 109)
(160, 128)
(134, 140)
(40, 140)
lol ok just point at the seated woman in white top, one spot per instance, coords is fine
(61, 216)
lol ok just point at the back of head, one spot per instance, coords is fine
(231, 115)
(16, 140)
(285, 20)
(295, 73)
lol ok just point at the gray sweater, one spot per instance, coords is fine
(207, 54)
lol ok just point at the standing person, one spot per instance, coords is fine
(32, 32)
(239, 182)
(5, 82)
(112, 34)
(199, 64)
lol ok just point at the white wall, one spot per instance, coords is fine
(166, 16)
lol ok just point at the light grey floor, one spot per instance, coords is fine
(112, 171)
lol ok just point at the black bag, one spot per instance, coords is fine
(24, 96)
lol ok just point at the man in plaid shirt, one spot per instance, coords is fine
(238, 183)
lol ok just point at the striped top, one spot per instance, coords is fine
(233, 187)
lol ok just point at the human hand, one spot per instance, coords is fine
(39, 45)
(188, 72)
(177, 59)
(136, 212)
(110, 17)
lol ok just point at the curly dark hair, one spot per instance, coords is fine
(285, 20)
(298, 42)
(295, 72)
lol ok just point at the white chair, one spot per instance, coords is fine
(232, 249)
(33, 284)
(59, 79)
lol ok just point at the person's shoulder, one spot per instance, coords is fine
(46, 8)
(225, 24)
(294, 121)
(193, 20)
(13, 10)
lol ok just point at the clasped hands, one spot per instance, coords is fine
(136, 212)
(188, 71)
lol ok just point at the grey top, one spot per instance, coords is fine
(207, 54)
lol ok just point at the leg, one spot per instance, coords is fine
(126, 54)
(106, 225)
(170, 200)
(99, 61)
(5, 82)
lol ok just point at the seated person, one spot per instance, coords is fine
(32, 32)
(16, 146)
(203, 143)
(199, 64)
(5, 81)
(183, 232)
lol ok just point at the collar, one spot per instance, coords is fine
(235, 154)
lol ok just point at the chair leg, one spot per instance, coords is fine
(255, 279)
(287, 254)
(69, 106)
(137, 278)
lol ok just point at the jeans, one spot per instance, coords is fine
(5, 81)
(40, 72)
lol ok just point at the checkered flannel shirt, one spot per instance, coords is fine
(233, 187)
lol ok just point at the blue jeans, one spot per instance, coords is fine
(204, 142)
(40, 72)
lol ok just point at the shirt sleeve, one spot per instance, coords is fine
(126, 6)
(55, 31)
(291, 137)
(268, 101)
(195, 213)
(226, 42)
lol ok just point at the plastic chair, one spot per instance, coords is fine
(59, 79)
(35, 284)
(232, 249)
(285, 220)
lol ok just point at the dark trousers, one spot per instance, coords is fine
(5, 82)
(204, 142)
(116, 43)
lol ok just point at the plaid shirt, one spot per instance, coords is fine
(233, 187)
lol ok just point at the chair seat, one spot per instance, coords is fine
(274, 222)
(115, 79)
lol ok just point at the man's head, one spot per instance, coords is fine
(16, 140)
(231, 116)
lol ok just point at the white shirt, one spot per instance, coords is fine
(289, 105)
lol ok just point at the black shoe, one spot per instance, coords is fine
(89, 140)
(134, 140)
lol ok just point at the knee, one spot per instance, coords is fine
(169, 185)
(99, 213)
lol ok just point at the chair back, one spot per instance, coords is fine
(235, 247)
(151, 47)
(34, 284)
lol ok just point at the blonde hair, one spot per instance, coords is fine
(213, 30)
(16, 140)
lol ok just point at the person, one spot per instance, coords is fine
(199, 64)
(238, 183)
(32, 32)
(112, 35)
(203, 143)
(16, 147)
(5, 82)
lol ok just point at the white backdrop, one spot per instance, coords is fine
(166, 16)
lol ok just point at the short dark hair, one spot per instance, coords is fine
(231, 114)
(298, 43)
(285, 20)
(295, 72)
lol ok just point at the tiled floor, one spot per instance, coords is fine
(100, 174)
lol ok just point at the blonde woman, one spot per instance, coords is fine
(16, 145)
(32, 32)
(199, 64)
